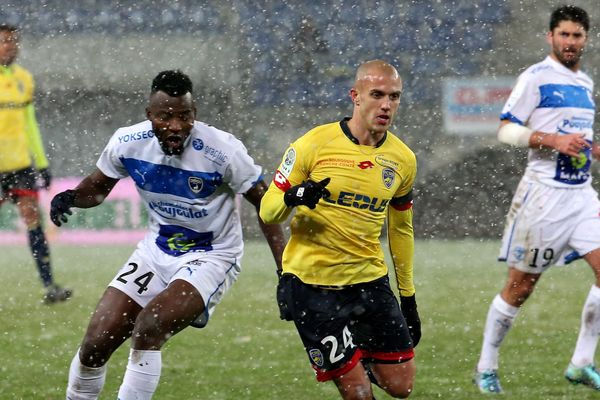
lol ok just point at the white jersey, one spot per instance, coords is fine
(190, 198)
(549, 97)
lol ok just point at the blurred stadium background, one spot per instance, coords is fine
(270, 70)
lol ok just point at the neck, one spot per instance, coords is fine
(363, 135)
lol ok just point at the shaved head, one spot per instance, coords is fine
(373, 70)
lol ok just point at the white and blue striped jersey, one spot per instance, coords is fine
(549, 97)
(190, 198)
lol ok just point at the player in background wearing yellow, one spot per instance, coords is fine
(22, 158)
(343, 179)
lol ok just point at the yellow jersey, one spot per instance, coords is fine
(338, 243)
(20, 142)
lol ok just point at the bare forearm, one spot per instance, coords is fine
(276, 239)
(93, 189)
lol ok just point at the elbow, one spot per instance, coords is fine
(267, 217)
(514, 134)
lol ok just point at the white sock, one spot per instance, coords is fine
(85, 383)
(499, 320)
(142, 375)
(589, 331)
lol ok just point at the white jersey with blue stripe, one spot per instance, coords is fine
(549, 97)
(190, 198)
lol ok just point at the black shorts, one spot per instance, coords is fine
(19, 183)
(341, 327)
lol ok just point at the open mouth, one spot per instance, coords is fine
(173, 144)
(174, 140)
(382, 119)
(570, 52)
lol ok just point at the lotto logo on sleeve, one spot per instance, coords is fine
(281, 181)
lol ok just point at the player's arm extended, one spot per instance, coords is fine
(93, 189)
(402, 244)
(90, 192)
(34, 139)
(273, 209)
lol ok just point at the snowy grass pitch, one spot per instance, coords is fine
(247, 352)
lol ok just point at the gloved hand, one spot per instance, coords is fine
(60, 205)
(308, 193)
(45, 178)
(408, 305)
(284, 311)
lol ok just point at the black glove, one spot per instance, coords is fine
(308, 193)
(409, 310)
(45, 178)
(284, 311)
(60, 205)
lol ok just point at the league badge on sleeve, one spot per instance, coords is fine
(288, 162)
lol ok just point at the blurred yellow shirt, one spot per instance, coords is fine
(20, 143)
(338, 243)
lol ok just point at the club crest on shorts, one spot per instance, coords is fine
(388, 177)
(316, 356)
(195, 184)
(519, 253)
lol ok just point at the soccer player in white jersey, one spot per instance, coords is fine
(187, 174)
(554, 215)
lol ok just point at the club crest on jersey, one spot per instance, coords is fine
(288, 162)
(316, 356)
(195, 184)
(388, 176)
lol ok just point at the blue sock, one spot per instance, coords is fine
(41, 254)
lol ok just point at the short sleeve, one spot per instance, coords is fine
(522, 101)
(110, 163)
(242, 172)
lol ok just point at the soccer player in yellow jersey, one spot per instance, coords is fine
(22, 157)
(344, 179)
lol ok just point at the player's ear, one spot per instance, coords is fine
(148, 113)
(354, 96)
(549, 36)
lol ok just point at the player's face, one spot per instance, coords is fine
(9, 47)
(377, 98)
(172, 120)
(568, 40)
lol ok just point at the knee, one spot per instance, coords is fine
(149, 333)
(400, 392)
(93, 355)
(356, 391)
(96, 348)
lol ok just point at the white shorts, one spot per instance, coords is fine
(547, 225)
(149, 271)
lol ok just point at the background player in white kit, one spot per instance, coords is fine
(188, 177)
(553, 218)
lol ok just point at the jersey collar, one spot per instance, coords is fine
(346, 130)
